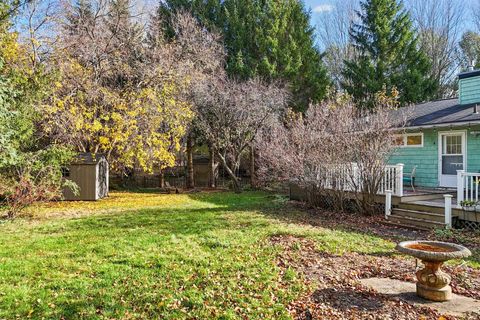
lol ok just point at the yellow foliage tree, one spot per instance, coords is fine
(133, 126)
(116, 93)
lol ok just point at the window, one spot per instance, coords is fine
(65, 172)
(409, 140)
(414, 140)
(452, 144)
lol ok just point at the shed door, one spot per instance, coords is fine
(451, 157)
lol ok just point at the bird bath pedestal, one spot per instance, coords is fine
(433, 284)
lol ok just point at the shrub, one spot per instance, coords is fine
(35, 177)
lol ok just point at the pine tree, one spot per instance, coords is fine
(272, 39)
(389, 56)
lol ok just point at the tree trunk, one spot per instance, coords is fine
(212, 167)
(190, 179)
(236, 184)
(162, 178)
(253, 181)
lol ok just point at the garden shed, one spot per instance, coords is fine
(90, 173)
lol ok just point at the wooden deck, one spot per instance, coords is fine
(423, 208)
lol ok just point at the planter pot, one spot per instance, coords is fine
(469, 208)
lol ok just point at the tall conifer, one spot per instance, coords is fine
(388, 56)
(272, 39)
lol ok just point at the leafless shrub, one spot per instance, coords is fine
(333, 150)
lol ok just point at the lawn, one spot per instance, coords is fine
(147, 255)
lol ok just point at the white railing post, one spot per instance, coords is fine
(399, 182)
(388, 203)
(355, 176)
(448, 210)
(460, 185)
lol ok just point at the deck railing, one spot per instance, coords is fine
(467, 186)
(392, 180)
(342, 178)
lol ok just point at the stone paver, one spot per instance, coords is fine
(405, 291)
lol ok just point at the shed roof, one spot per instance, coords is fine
(440, 113)
(87, 158)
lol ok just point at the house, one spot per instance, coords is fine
(441, 141)
(90, 173)
(441, 144)
(442, 137)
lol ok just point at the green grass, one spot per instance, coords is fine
(146, 256)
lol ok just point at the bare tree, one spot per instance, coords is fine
(470, 42)
(474, 9)
(470, 50)
(198, 56)
(231, 114)
(439, 24)
(333, 33)
(332, 151)
(36, 25)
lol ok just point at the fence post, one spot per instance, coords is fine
(460, 185)
(388, 203)
(399, 184)
(448, 210)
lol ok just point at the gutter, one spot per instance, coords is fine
(442, 125)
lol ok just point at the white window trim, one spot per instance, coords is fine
(440, 133)
(405, 136)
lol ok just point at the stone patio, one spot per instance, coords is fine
(405, 291)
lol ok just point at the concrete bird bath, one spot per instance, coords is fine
(433, 284)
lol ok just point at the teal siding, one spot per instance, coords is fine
(473, 150)
(469, 92)
(426, 157)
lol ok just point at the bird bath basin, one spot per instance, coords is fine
(433, 284)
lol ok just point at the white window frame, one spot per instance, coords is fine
(404, 136)
(440, 146)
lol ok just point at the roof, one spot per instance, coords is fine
(440, 113)
(201, 158)
(88, 158)
(469, 74)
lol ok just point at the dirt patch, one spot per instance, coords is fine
(338, 294)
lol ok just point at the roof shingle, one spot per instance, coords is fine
(440, 112)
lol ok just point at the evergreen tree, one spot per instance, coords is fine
(388, 56)
(268, 38)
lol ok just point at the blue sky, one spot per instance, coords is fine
(319, 6)
(322, 7)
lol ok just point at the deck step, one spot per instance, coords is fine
(430, 216)
(415, 222)
(422, 197)
(421, 207)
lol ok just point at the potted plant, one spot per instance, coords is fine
(468, 205)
